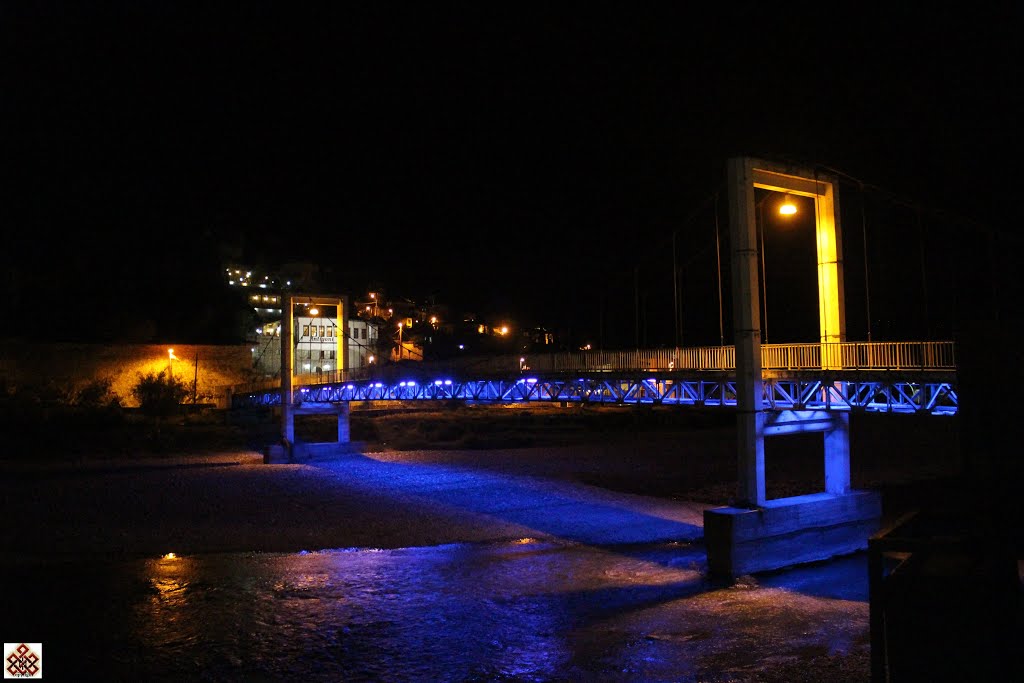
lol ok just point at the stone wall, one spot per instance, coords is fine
(67, 368)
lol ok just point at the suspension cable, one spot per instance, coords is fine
(924, 275)
(718, 259)
(864, 236)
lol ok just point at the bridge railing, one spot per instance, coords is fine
(931, 355)
(867, 356)
(860, 356)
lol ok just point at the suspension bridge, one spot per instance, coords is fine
(774, 389)
(892, 377)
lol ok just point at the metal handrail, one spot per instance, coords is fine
(855, 356)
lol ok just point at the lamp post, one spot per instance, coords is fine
(170, 365)
(787, 208)
(401, 348)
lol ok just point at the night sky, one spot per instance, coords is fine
(509, 159)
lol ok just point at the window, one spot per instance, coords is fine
(330, 331)
(321, 354)
(305, 330)
(332, 355)
(364, 333)
(322, 333)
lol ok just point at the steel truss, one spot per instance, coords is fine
(877, 395)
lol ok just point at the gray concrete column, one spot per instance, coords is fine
(837, 454)
(287, 368)
(746, 302)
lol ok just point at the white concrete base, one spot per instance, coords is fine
(303, 452)
(329, 450)
(789, 531)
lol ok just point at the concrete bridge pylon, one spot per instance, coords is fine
(757, 534)
(288, 449)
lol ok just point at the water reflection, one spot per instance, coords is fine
(523, 610)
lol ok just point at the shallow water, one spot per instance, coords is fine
(521, 610)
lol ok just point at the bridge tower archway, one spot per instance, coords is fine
(757, 534)
(291, 302)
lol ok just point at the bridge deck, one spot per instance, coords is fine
(887, 377)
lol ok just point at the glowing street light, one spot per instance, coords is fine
(787, 208)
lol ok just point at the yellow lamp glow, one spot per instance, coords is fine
(787, 208)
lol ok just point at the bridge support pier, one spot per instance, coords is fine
(788, 531)
(291, 450)
(759, 534)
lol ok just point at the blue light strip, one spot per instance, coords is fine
(889, 396)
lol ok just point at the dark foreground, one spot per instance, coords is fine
(568, 558)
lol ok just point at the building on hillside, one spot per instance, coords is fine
(319, 343)
(363, 338)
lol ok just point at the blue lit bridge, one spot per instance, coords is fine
(774, 389)
(892, 377)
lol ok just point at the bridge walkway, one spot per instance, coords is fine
(901, 377)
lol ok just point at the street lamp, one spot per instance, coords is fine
(400, 347)
(786, 208)
(170, 365)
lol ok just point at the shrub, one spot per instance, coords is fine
(159, 394)
(97, 394)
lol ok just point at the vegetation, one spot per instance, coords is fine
(159, 394)
(46, 421)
